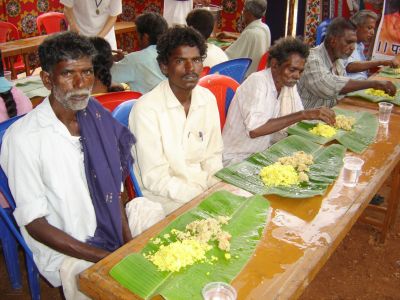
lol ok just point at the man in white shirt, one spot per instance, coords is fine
(203, 21)
(93, 17)
(267, 102)
(65, 173)
(357, 64)
(140, 69)
(255, 39)
(179, 144)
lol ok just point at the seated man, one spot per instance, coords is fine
(179, 144)
(255, 39)
(67, 177)
(357, 64)
(267, 102)
(323, 79)
(203, 21)
(140, 69)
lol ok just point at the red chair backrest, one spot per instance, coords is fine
(205, 71)
(218, 85)
(8, 32)
(51, 22)
(112, 100)
(263, 62)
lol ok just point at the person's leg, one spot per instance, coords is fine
(69, 270)
(142, 214)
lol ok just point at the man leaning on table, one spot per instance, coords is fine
(65, 162)
(323, 81)
(267, 102)
(179, 144)
(357, 64)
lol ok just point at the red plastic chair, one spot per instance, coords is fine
(51, 22)
(111, 100)
(219, 86)
(8, 32)
(263, 62)
(205, 71)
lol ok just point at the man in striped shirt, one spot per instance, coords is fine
(323, 80)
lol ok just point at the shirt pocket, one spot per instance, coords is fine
(196, 146)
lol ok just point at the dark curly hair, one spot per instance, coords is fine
(64, 46)
(201, 20)
(102, 61)
(152, 24)
(284, 47)
(10, 104)
(179, 36)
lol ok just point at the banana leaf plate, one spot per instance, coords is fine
(248, 219)
(389, 72)
(327, 164)
(357, 140)
(371, 98)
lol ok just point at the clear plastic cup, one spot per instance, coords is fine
(7, 75)
(219, 291)
(351, 170)
(385, 108)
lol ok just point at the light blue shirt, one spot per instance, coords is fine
(139, 70)
(357, 55)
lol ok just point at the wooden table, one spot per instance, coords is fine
(29, 45)
(299, 238)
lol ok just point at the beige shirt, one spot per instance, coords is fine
(176, 156)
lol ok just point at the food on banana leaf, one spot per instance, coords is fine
(345, 123)
(394, 70)
(323, 130)
(378, 93)
(191, 245)
(288, 170)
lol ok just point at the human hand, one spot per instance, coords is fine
(387, 86)
(324, 114)
(395, 62)
(118, 54)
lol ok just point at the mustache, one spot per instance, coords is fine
(78, 93)
(188, 75)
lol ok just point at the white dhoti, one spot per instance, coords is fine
(142, 214)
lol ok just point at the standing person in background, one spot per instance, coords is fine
(255, 39)
(203, 21)
(175, 11)
(93, 17)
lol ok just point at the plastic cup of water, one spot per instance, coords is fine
(219, 291)
(351, 170)
(385, 109)
(7, 75)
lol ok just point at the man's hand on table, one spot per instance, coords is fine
(387, 86)
(324, 114)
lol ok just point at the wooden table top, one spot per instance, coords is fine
(299, 238)
(28, 45)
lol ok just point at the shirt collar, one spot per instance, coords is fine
(271, 81)
(172, 102)
(255, 23)
(325, 54)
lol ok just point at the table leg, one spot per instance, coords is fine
(27, 67)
